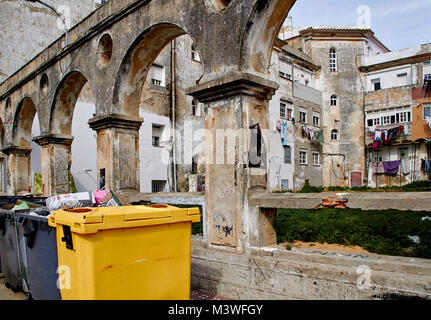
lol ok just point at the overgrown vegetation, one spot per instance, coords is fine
(382, 232)
(414, 186)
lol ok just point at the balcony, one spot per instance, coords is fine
(388, 98)
(399, 140)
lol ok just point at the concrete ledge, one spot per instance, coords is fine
(270, 273)
(415, 201)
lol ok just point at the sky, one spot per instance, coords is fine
(398, 24)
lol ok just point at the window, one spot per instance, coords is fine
(377, 156)
(427, 77)
(157, 75)
(303, 116)
(158, 185)
(334, 100)
(284, 69)
(404, 153)
(307, 82)
(404, 117)
(157, 133)
(386, 120)
(376, 85)
(376, 121)
(286, 110)
(402, 79)
(303, 157)
(427, 110)
(194, 107)
(427, 63)
(316, 159)
(334, 134)
(287, 154)
(195, 54)
(332, 60)
(316, 120)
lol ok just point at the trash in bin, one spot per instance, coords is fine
(40, 252)
(71, 200)
(128, 252)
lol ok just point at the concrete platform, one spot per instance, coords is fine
(415, 201)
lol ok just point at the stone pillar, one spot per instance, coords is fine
(56, 161)
(18, 178)
(118, 151)
(237, 106)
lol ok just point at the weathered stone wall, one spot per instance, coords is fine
(347, 153)
(31, 27)
(268, 273)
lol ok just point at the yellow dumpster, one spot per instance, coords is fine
(129, 252)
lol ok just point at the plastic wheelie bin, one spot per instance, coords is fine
(12, 251)
(128, 252)
(40, 254)
(9, 251)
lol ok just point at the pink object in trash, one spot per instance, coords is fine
(100, 195)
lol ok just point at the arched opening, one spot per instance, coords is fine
(72, 107)
(25, 158)
(157, 69)
(137, 64)
(334, 100)
(104, 50)
(170, 114)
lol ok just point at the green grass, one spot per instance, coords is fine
(381, 232)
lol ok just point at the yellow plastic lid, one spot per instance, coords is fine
(91, 220)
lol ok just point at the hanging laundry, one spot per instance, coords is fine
(372, 129)
(391, 167)
(428, 121)
(405, 164)
(377, 138)
(284, 133)
(320, 136)
(406, 130)
(278, 125)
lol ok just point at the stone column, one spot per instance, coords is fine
(118, 151)
(18, 178)
(237, 106)
(56, 160)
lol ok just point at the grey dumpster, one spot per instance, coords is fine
(41, 254)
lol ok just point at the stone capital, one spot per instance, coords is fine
(17, 150)
(115, 121)
(51, 138)
(234, 85)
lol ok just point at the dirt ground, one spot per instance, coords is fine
(325, 247)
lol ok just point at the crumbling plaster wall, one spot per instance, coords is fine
(31, 27)
(348, 116)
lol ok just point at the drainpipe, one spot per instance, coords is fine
(173, 102)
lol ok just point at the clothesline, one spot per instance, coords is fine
(384, 137)
(308, 132)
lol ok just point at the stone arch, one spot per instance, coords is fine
(137, 63)
(65, 98)
(262, 29)
(22, 122)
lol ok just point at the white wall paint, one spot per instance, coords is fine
(84, 148)
(389, 77)
(154, 161)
